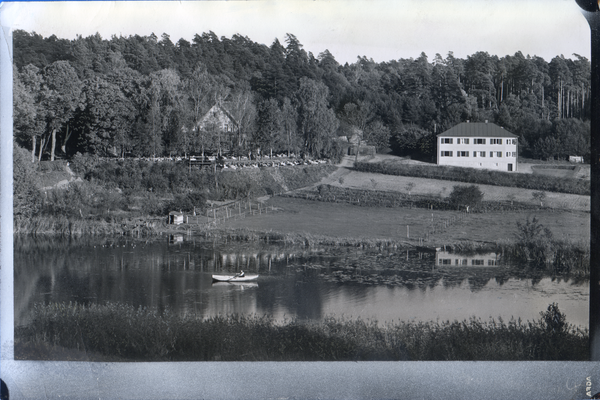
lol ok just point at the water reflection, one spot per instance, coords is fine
(445, 258)
(309, 283)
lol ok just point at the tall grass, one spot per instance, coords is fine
(121, 332)
(295, 238)
(64, 226)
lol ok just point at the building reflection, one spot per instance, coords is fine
(446, 259)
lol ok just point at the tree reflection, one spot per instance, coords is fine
(176, 274)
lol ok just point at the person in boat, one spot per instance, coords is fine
(241, 274)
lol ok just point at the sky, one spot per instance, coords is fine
(379, 29)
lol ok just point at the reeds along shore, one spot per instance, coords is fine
(117, 332)
(64, 226)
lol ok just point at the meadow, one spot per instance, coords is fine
(342, 220)
(545, 182)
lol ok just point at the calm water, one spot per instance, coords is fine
(294, 282)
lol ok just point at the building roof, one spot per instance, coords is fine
(477, 129)
(218, 107)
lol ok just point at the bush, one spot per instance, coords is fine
(83, 164)
(27, 198)
(466, 196)
(151, 205)
(82, 199)
(536, 242)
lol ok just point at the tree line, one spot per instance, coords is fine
(146, 96)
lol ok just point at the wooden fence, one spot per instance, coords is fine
(441, 225)
(235, 210)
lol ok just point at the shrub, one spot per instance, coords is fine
(151, 205)
(81, 199)
(535, 242)
(539, 196)
(466, 196)
(83, 164)
(553, 320)
(27, 199)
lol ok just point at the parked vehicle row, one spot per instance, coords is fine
(265, 164)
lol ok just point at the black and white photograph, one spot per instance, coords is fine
(271, 185)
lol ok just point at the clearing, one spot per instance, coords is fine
(350, 221)
(344, 220)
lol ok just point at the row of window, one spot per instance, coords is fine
(448, 261)
(476, 141)
(477, 154)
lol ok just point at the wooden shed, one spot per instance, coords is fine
(175, 218)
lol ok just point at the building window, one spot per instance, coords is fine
(492, 262)
(474, 154)
(465, 141)
(479, 141)
(491, 154)
(462, 154)
(445, 261)
(495, 141)
(446, 140)
(499, 154)
(476, 262)
(446, 154)
(482, 154)
(514, 141)
(514, 153)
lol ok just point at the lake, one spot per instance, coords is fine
(295, 282)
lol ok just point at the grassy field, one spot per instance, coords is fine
(344, 220)
(435, 187)
(569, 220)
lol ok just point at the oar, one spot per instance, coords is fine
(235, 276)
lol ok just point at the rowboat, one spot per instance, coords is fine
(234, 278)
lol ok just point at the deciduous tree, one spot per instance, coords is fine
(61, 97)
(316, 122)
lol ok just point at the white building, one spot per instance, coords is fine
(478, 145)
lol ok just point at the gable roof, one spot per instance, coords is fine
(477, 129)
(217, 108)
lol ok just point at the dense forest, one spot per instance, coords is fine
(145, 96)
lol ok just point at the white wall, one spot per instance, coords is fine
(487, 162)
